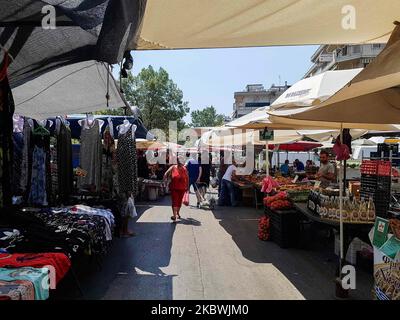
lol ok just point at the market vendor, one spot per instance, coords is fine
(228, 194)
(326, 173)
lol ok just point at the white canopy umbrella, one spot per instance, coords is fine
(178, 24)
(314, 90)
(372, 98)
(328, 135)
(363, 142)
(225, 137)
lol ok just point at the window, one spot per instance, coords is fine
(256, 104)
(356, 49)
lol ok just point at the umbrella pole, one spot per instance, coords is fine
(341, 260)
(267, 157)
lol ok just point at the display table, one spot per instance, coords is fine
(351, 230)
(253, 190)
(153, 188)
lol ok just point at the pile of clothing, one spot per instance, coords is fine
(38, 244)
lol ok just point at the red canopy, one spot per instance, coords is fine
(296, 146)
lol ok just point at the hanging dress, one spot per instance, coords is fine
(90, 158)
(26, 157)
(64, 162)
(127, 164)
(108, 164)
(38, 194)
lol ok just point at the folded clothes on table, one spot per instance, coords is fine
(38, 276)
(59, 261)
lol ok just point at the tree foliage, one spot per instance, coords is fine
(158, 98)
(206, 117)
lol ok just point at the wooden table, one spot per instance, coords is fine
(255, 188)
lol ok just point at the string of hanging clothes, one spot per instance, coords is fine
(43, 166)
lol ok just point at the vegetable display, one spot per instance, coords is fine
(279, 201)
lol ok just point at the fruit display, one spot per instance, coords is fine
(251, 179)
(283, 180)
(279, 201)
(263, 228)
(296, 187)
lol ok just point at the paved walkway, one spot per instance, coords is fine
(212, 255)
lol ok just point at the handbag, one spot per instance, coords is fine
(185, 199)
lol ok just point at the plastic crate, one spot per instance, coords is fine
(284, 227)
(369, 167)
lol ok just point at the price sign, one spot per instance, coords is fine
(266, 135)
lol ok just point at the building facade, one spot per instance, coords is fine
(341, 57)
(255, 96)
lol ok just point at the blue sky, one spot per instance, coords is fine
(210, 77)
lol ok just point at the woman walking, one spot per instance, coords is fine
(179, 185)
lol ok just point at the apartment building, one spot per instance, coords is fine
(340, 57)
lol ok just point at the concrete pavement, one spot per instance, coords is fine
(212, 255)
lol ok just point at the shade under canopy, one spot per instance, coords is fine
(225, 23)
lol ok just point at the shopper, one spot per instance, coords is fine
(178, 186)
(326, 173)
(194, 170)
(298, 165)
(205, 164)
(228, 194)
(285, 168)
(143, 166)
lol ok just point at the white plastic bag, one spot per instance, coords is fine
(130, 208)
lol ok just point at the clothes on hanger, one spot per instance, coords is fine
(26, 157)
(6, 129)
(38, 194)
(127, 164)
(108, 163)
(64, 161)
(91, 158)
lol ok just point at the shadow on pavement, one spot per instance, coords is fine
(310, 270)
(133, 267)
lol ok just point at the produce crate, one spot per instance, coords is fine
(284, 227)
(369, 167)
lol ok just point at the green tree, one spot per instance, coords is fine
(158, 98)
(206, 117)
(113, 112)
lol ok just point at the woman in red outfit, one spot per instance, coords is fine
(179, 185)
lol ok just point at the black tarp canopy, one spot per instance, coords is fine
(85, 30)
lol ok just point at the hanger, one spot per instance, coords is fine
(41, 131)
